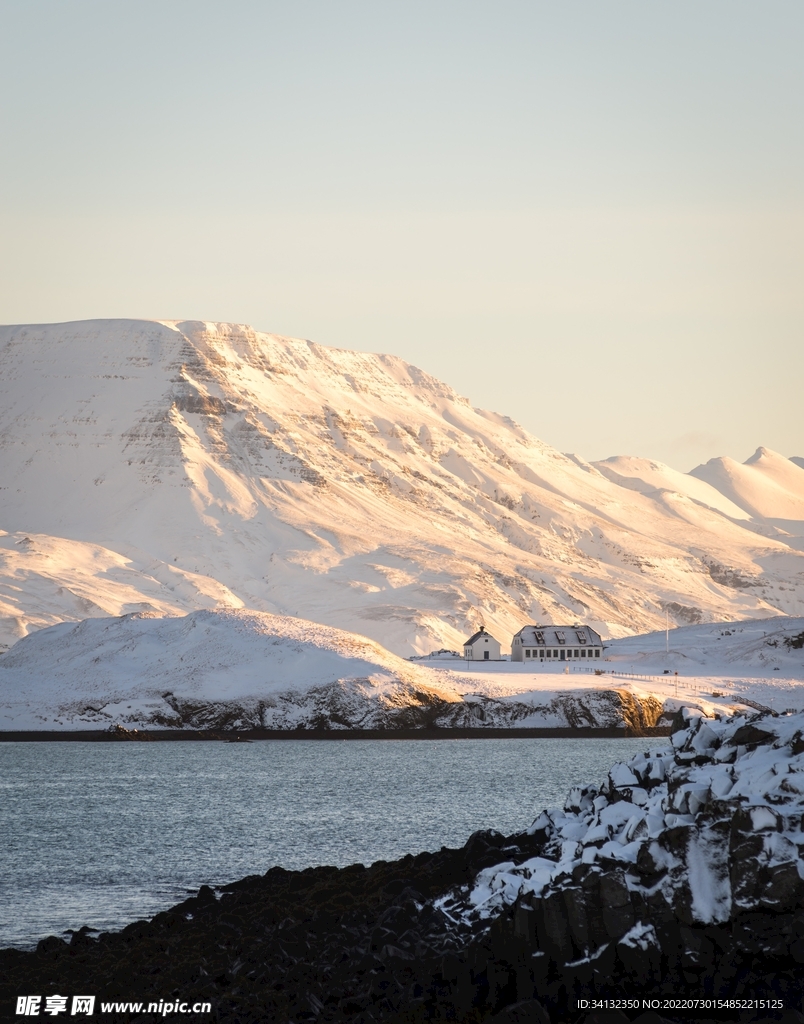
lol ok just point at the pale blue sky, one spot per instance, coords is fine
(586, 215)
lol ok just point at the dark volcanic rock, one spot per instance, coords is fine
(356, 944)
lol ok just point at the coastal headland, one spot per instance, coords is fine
(226, 672)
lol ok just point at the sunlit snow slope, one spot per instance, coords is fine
(170, 466)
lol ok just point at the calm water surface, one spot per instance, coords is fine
(105, 833)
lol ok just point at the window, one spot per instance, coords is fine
(597, 654)
(583, 653)
(577, 654)
(560, 636)
(581, 636)
(539, 636)
(485, 655)
(549, 654)
(527, 652)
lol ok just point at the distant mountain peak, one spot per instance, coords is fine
(761, 453)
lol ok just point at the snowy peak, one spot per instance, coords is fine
(766, 485)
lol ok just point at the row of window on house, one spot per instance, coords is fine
(564, 653)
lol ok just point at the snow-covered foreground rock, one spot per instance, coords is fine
(682, 873)
(239, 669)
(178, 465)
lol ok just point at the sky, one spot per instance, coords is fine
(587, 216)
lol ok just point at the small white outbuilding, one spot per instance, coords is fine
(481, 646)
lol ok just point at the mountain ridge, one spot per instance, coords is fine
(766, 485)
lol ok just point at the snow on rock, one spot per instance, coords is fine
(239, 669)
(211, 462)
(697, 834)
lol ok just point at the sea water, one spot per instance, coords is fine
(102, 834)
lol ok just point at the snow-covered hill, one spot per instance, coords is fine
(171, 466)
(236, 669)
(241, 669)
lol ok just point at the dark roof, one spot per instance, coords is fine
(475, 636)
(555, 636)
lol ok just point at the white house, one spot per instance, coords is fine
(481, 646)
(556, 643)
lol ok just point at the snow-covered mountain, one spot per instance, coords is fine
(168, 466)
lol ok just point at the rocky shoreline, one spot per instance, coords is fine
(680, 879)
